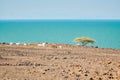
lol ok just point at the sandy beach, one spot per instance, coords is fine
(58, 63)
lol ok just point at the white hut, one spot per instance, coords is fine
(41, 44)
(24, 44)
(17, 44)
(10, 43)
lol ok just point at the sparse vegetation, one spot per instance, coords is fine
(84, 40)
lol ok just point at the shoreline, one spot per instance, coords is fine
(53, 45)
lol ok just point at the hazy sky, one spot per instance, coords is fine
(59, 9)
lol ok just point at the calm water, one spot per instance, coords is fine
(106, 33)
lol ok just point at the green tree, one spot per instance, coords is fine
(84, 40)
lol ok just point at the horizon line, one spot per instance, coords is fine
(51, 19)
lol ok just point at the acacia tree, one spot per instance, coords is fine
(84, 40)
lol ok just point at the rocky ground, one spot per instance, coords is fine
(53, 63)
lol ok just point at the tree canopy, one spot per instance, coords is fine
(84, 40)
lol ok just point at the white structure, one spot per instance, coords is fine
(78, 44)
(17, 43)
(60, 47)
(41, 44)
(24, 44)
(10, 43)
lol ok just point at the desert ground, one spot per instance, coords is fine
(68, 62)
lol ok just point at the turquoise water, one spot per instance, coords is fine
(105, 32)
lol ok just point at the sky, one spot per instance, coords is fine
(59, 9)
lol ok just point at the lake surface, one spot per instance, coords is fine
(106, 33)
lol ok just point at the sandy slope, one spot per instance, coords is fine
(52, 63)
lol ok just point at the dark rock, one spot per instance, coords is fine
(78, 75)
(43, 73)
(86, 74)
(66, 77)
(91, 79)
(109, 62)
(100, 79)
